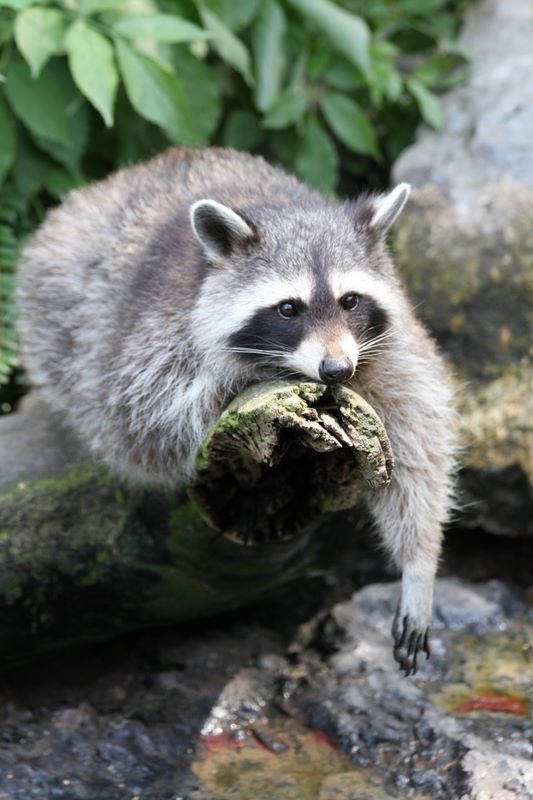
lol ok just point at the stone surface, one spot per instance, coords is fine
(465, 249)
(489, 119)
(246, 709)
(467, 715)
(470, 273)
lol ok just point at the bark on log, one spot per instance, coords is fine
(82, 557)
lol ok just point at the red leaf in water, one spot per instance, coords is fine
(221, 741)
(504, 704)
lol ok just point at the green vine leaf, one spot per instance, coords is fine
(156, 93)
(7, 140)
(349, 123)
(348, 33)
(227, 45)
(39, 35)
(160, 27)
(93, 67)
(38, 103)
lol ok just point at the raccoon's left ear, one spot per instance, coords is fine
(218, 228)
(388, 206)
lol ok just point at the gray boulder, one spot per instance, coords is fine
(488, 121)
(465, 248)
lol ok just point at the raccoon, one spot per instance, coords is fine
(149, 299)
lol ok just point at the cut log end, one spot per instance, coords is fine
(284, 453)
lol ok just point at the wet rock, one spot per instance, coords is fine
(469, 710)
(466, 715)
(232, 713)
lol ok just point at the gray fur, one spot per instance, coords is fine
(127, 309)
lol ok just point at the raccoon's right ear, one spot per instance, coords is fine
(218, 228)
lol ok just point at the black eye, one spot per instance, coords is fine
(349, 301)
(287, 309)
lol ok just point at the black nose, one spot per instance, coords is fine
(335, 370)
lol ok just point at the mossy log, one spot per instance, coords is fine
(82, 557)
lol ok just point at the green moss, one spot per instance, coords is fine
(57, 485)
(53, 523)
(471, 278)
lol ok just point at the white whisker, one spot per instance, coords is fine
(255, 351)
(372, 344)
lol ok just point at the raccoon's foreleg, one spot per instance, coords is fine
(415, 403)
(411, 532)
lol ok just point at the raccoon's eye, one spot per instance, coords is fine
(349, 301)
(287, 309)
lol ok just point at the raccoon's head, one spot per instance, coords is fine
(307, 290)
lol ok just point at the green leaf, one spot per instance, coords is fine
(383, 79)
(342, 75)
(436, 70)
(7, 140)
(88, 7)
(269, 53)
(136, 139)
(317, 161)
(202, 93)
(236, 14)
(348, 33)
(161, 27)
(92, 65)
(319, 61)
(77, 121)
(241, 130)
(30, 170)
(288, 109)
(284, 145)
(37, 103)
(427, 102)
(156, 94)
(423, 7)
(227, 45)
(59, 182)
(16, 5)
(349, 123)
(39, 35)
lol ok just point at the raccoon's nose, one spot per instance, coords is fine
(336, 370)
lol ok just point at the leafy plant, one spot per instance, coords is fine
(332, 90)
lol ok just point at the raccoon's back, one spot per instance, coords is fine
(105, 257)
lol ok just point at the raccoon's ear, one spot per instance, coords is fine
(218, 228)
(388, 206)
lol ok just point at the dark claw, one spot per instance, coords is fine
(409, 641)
(426, 648)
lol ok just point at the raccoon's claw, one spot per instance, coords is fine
(409, 641)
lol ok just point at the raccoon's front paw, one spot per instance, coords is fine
(410, 639)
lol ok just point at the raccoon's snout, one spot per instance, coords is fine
(336, 370)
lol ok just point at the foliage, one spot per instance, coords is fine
(332, 90)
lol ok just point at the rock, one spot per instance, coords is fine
(227, 713)
(487, 120)
(467, 714)
(465, 250)
(505, 778)
(471, 274)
